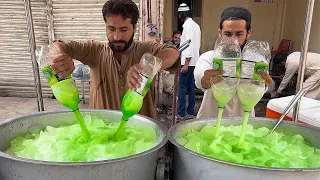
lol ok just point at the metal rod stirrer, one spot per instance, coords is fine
(32, 46)
(294, 101)
(303, 57)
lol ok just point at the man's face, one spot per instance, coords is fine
(176, 39)
(236, 29)
(120, 32)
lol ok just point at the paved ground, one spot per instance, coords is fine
(15, 106)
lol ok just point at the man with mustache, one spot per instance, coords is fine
(114, 66)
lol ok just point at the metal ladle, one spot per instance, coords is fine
(292, 103)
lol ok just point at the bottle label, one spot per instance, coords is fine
(249, 69)
(48, 74)
(230, 66)
(145, 85)
(260, 66)
(240, 68)
(50, 77)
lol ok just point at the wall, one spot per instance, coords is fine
(211, 11)
(167, 19)
(267, 19)
(314, 44)
(294, 22)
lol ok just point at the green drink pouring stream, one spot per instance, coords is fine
(66, 93)
(133, 99)
(249, 95)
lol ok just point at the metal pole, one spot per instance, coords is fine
(175, 96)
(303, 57)
(32, 48)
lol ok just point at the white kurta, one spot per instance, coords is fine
(191, 30)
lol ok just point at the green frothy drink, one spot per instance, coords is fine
(249, 95)
(276, 150)
(66, 92)
(133, 100)
(223, 92)
(131, 104)
(65, 143)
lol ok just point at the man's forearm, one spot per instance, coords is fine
(61, 47)
(168, 56)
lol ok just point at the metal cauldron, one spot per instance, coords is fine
(141, 166)
(188, 165)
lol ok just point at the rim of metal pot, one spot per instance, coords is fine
(173, 131)
(90, 163)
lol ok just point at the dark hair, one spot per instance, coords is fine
(248, 25)
(236, 13)
(125, 8)
(175, 32)
(184, 14)
(279, 58)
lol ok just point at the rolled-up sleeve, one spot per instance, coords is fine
(204, 63)
(154, 48)
(291, 68)
(85, 51)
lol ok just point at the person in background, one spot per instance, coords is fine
(234, 22)
(175, 41)
(189, 58)
(176, 38)
(312, 73)
(114, 65)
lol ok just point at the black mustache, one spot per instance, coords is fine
(120, 41)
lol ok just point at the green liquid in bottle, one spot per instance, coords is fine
(131, 105)
(66, 93)
(132, 101)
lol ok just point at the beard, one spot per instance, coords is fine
(245, 42)
(116, 48)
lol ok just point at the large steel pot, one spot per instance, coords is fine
(188, 165)
(141, 166)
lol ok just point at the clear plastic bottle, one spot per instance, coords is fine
(64, 89)
(227, 56)
(132, 100)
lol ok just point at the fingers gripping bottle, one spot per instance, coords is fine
(133, 100)
(64, 89)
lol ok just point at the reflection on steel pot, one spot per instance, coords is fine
(189, 165)
(141, 166)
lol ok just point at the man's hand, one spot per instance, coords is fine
(133, 77)
(62, 65)
(208, 75)
(274, 94)
(184, 68)
(266, 76)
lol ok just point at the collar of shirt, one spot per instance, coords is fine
(189, 20)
